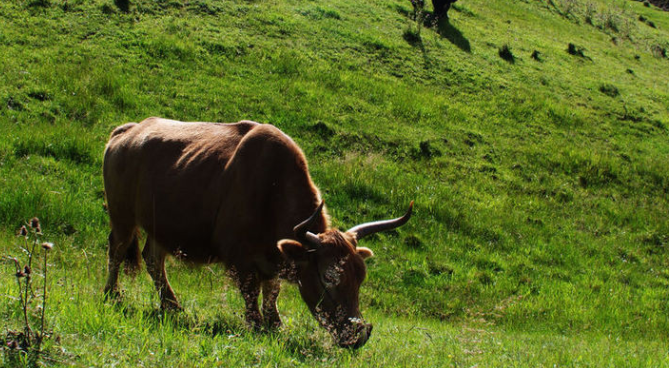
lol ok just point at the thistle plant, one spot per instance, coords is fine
(30, 242)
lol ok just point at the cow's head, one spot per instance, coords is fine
(330, 268)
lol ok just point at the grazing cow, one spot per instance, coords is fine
(239, 194)
(441, 7)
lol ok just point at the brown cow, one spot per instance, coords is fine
(230, 193)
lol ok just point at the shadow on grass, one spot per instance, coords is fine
(309, 346)
(452, 34)
(181, 320)
(414, 39)
(123, 5)
(215, 326)
(302, 345)
(39, 4)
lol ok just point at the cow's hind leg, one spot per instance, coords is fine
(270, 292)
(154, 257)
(122, 242)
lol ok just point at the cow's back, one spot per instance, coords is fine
(214, 192)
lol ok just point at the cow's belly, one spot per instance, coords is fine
(179, 212)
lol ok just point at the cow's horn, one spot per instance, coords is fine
(370, 228)
(309, 239)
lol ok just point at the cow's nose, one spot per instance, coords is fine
(362, 333)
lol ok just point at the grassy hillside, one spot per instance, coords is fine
(541, 226)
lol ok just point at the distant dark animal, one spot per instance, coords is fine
(239, 194)
(662, 4)
(441, 7)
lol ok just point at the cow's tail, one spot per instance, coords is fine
(133, 256)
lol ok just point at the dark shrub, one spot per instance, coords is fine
(609, 90)
(506, 54)
(536, 55)
(576, 50)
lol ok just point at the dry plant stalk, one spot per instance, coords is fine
(30, 235)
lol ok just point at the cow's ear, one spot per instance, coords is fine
(292, 250)
(364, 252)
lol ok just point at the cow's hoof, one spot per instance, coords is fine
(272, 324)
(171, 306)
(255, 324)
(113, 296)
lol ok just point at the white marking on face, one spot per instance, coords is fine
(332, 276)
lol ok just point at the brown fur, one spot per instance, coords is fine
(228, 193)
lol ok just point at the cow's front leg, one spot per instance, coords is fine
(249, 285)
(270, 292)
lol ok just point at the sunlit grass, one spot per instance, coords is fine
(540, 230)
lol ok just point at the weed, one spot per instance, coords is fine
(413, 36)
(26, 344)
(418, 8)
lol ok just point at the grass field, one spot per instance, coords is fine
(541, 182)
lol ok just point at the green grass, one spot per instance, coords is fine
(540, 232)
(212, 333)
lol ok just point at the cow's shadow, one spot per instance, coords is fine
(187, 321)
(452, 34)
(302, 346)
(442, 26)
(219, 325)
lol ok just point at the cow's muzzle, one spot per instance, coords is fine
(356, 335)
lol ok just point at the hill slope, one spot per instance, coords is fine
(540, 181)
